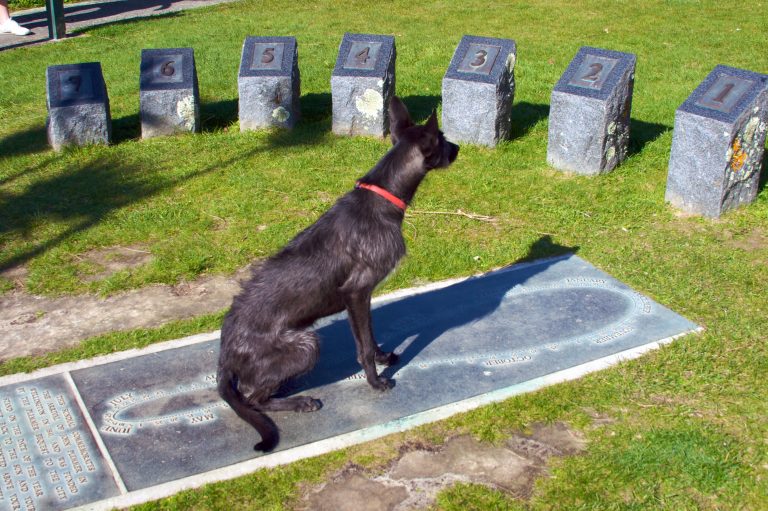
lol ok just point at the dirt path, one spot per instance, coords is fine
(32, 325)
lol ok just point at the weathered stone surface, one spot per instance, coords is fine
(590, 112)
(269, 83)
(169, 97)
(357, 493)
(718, 143)
(78, 105)
(362, 84)
(478, 91)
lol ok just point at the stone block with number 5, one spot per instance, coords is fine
(478, 91)
(169, 98)
(718, 143)
(78, 105)
(589, 112)
(362, 84)
(269, 85)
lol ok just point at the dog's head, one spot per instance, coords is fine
(437, 151)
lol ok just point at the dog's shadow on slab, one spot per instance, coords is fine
(411, 325)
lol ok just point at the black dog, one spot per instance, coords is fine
(333, 265)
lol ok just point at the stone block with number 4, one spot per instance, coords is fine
(589, 112)
(718, 143)
(78, 105)
(169, 98)
(269, 84)
(478, 91)
(362, 84)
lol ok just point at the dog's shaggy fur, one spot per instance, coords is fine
(333, 265)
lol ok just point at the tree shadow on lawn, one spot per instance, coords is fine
(82, 197)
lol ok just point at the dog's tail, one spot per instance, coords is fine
(227, 385)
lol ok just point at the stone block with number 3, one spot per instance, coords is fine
(362, 84)
(589, 112)
(169, 98)
(78, 105)
(478, 90)
(269, 85)
(718, 143)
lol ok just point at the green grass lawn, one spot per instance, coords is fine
(688, 422)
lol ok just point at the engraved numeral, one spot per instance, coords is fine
(167, 68)
(479, 58)
(594, 73)
(724, 93)
(75, 81)
(362, 57)
(268, 56)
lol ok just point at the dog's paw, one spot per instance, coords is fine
(387, 359)
(382, 383)
(309, 404)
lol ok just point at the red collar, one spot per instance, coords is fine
(382, 192)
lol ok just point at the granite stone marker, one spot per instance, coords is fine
(169, 96)
(133, 427)
(362, 84)
(478, 91)
(78, 105)
(269, 84)
(718, 143)
(589, 112)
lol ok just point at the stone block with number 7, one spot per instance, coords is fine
(589, 112)
(269, 85)
(478, 91)
(362, 84)
(78, 105)
(718, 143)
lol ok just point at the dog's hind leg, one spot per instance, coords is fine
(295, 353)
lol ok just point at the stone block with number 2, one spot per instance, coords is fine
(362, 84)
(478, 91)
(718, 143)
(589, 112)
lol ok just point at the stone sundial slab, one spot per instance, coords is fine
(139, 425)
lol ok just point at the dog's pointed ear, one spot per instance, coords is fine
(399, 119)
(431, 124)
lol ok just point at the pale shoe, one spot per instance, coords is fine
(11, 27)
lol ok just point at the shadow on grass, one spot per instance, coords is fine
(525, 116)
(642, 133)
(421, 107)
(82, 197)
(764, 175)
(32, 140)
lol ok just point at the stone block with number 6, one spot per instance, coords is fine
(269, 84)
(169, 98)
(589, 112)
(478, 91)
(78, 105)
(362, 84)
(718, 143)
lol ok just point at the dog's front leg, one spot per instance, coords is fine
(359, 310)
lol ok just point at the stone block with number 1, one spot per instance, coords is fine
(478, 91)
(78, 105)
(169, 99)
(269, 85)
(718, 143)
(589, 112)
(362, 84)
